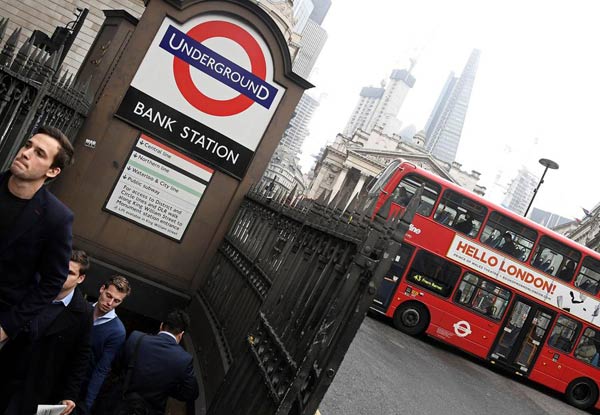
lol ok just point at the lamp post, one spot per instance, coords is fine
(548, 164)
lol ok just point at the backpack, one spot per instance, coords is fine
(122, 402)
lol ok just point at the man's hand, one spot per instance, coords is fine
(69, 408)
(3, 335)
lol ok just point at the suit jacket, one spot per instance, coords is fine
(34, 259)
(162, 369)
(53, 367)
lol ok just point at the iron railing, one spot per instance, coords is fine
(33, 93)
(288, 291)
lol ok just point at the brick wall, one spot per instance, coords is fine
(46, 15)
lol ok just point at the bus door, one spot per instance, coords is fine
(521, 337)
(387, 289)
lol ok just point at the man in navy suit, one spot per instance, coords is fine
(35, 231)
(48, 364)
(163, 369)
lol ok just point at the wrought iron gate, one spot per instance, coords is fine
(288, 291)
(33, 93)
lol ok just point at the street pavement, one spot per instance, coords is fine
(386, 372)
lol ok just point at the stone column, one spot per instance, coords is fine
(337, 185)
(313, 192)
(357, 188)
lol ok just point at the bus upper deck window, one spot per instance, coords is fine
(508, 236)
(589, 276)
(555, 258)
(460, 212)
(409, 185)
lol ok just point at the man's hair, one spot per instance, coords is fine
(64, 157)
(120, 283)
(82, 259)
(176, 322)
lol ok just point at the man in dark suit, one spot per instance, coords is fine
(47, 364)
(163, 369)
(35, 231)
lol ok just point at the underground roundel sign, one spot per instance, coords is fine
(462, 328)
(206, 86)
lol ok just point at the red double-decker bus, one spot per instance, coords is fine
(494, 284)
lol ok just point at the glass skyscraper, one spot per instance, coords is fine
(444, 127)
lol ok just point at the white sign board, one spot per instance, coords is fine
(159, 188)
(206, 86)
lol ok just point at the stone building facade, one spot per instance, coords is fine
(350, 163)
(46, 15)
(586, 231)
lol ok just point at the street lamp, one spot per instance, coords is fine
(548, 164)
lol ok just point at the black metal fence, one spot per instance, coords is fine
(288, 290)
(33, 92)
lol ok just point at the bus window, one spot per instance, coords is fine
(508, 236)
(409, 185)
(482, 296)
(460, 213)
(589, 347)
(589, 275)
(564, 334)
(555, 258)
(433, 273)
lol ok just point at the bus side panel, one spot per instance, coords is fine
(550, 369)
(426, 233)
(465, 330)
(556, 370)
(450, 323)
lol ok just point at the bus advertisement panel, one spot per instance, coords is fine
(524, 279)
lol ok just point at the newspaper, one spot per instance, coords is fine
(50, 409)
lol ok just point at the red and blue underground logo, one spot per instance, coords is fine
(188, 52)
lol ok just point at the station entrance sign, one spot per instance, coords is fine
(206, 86)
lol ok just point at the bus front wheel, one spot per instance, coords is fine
(411, 318)
(582, 393)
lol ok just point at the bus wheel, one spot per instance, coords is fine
(582, 393)
(411, 318)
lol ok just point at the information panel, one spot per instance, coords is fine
(159, 188)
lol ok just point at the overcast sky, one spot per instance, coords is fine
(535, 96)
